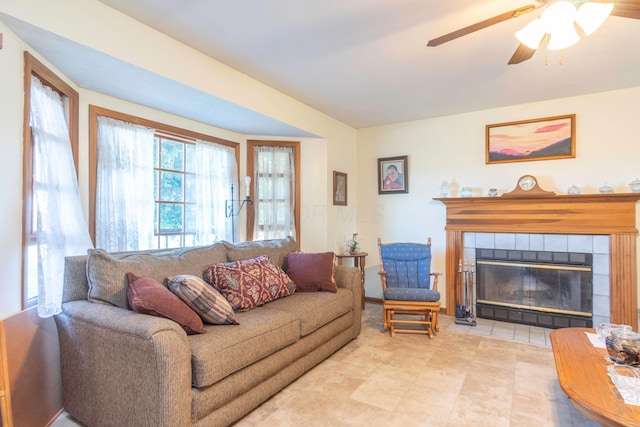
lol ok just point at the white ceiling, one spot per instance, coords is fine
(365, 62)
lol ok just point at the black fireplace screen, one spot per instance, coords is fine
(553, 288)
(534, 287)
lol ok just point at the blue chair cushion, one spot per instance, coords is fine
(407, 265)
(411, 294)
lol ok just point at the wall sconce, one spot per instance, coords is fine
(229, 205)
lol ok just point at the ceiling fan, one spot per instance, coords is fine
(622, 8)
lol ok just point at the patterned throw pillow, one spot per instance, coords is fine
(203, 299)
(148, 296)
(249, 283)
(312, 271)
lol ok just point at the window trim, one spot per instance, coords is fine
(172, 131)
(34, 67)
(251, 144)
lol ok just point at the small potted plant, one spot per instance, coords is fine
(354, 245)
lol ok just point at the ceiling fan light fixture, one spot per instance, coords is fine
(531, 35)
(591, 15)
(558, 16)
(563, 38)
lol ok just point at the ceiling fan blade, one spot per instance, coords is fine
(521, 54)
(626, 9)
(482, 24)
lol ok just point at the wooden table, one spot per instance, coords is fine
(359, 259)
(582, 372)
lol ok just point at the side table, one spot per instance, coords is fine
(359, 259)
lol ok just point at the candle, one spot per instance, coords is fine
(247, 183)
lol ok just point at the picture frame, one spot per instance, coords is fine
(339, 188)
(393, 175)
(546, 138)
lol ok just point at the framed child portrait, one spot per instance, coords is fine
(393, 175)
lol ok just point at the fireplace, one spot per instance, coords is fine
(548, 289)
(608, 215)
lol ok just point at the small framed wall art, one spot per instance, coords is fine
(393, 175)
(547, 138)
(339, 188)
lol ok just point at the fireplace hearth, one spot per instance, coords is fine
(541, 288)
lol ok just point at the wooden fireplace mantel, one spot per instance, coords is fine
(598, 214)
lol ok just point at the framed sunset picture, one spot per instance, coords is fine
(547, 138)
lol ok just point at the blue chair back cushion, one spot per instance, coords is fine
(408, 265)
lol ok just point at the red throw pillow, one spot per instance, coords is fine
(148, 296)
(312, 271)
(249, 283)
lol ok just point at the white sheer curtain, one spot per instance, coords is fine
(124, 188)
(60, 227)
(216, 169)
(275, 183)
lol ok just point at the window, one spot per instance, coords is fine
(53, 225)
(174, 191)
(274, 166)
(182, 180)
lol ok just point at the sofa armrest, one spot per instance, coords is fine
(351, 278)
(123, 368)
(347, 277)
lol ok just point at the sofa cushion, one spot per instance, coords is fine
(312, 271)
(148, 296)
(226, 350)
(314, 309)
(276, 250)
(250, 283)
(106, 272)
(210, 305)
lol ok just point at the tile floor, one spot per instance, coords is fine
(507, 331)
(494, 374)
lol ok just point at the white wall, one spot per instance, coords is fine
(11, 102)
(452, 149)
(91, 23)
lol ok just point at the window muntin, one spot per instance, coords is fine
(174, 192)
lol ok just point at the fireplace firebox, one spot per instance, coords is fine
(548, 289)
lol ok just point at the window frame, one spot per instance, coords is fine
(251, 144)
(34, 67)
(160, 128)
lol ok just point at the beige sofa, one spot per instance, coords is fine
(122, 368)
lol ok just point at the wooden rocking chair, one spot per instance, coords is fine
(405, 272)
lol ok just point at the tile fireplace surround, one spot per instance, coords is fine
(596, 245)
(595, 219)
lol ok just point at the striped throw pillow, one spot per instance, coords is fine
(210, 305)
